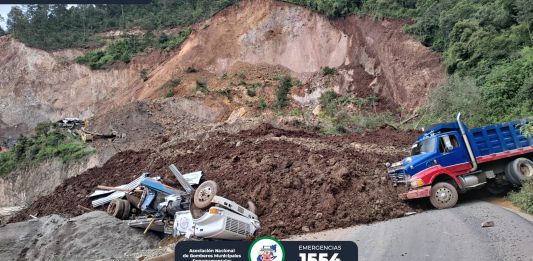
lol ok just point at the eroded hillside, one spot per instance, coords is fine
(257, 39)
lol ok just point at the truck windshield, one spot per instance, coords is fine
(424, 146)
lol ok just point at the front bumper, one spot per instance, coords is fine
(423, 192)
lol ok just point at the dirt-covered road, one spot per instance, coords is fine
(300, 181)
(449, 234)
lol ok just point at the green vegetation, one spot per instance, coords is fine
(523, 198)
(201, 85)
(170, 85)
(2, 31)
(124, 49)
(284, 87)
(48, 142)
(527, 129)
(328, 102)
(486, 45)
(296, 112)
(329, 71)
(59, 26)
(262, 103)
(251, 89)
(337, 119)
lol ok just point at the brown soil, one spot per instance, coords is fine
(298, 180)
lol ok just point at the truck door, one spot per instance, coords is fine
(453, 154)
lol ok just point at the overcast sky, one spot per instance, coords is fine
(4, 9)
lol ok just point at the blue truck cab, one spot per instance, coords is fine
(450, 158)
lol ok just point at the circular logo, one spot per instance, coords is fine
(266, 249)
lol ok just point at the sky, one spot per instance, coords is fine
(4, 9)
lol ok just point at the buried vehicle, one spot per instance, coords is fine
(449, 158)
(200, 213)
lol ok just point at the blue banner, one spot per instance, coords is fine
(266, 249)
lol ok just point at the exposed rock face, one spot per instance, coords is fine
(24, 186)
(372, 56)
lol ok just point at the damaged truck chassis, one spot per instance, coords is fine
(193, 213)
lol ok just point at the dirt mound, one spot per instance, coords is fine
(299, 181)
(93, 236)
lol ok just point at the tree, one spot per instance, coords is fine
(2, 20)
(16, 22)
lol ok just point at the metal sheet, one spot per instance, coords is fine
(184, 183)
(193, 178)
(118, 194)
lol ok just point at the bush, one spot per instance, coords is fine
(282, 93)
(523, 198)
(296, 112)
(124, 49)
(170, 85)
(328, 102)
(329, 71)
(251, 90)
(201, 85)
(191, 69)
(262, 103)
(527, 129)
(460, 94)
(48, 142)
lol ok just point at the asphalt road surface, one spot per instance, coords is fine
(449, 234)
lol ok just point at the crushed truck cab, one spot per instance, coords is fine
(449, 158)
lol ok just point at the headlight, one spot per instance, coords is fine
(416, 183)
(396, 164)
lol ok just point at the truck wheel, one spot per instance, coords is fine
(521, 169)
(443, 195)
(497, 188)
(116, 208)
(510, 176)
(127, 208)
(205, 193)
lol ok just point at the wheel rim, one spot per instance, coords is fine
(527, 170)
(205, 194)
(443, 195)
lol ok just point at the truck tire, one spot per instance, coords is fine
(510, 176)
(497, 188)
(443, 195)
(116, 208)
(521, 169)
(205, 193)
(127, 209)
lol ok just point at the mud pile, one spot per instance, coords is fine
(299, 181)
(87, 237)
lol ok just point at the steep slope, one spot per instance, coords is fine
(253, 38)
(36, 86)
(374, 56)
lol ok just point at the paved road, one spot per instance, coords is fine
(451, 234)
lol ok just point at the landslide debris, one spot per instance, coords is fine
(297, 186)
(86, 237)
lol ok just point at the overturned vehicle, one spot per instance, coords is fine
(194, 213)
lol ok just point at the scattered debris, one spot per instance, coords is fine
(71, 123)
(200, 213)
(487, 224)
(410, 213)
